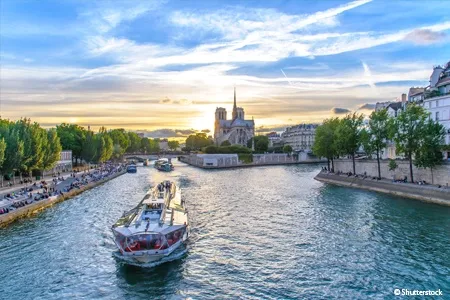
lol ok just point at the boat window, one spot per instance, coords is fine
(175, 236)
(143, 242)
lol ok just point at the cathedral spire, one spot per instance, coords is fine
(234, 105)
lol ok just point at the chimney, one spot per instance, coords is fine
(403, 98)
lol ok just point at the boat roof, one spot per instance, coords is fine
(146, 219)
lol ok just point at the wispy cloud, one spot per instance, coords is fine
(425, 36)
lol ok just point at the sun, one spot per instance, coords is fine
(73, 120)
(203, 121)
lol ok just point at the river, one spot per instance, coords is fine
(256, 233)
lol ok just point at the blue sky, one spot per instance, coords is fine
(169, 64)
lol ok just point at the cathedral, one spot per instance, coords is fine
(237, 130)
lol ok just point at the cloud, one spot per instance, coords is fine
(167, 100)
(206, 131)
(368, 106)
(425, 36)
(277, 128)
(169, 133)
(340, 111)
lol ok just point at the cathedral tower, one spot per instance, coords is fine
(235, 112)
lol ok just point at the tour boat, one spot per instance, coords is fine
(155, 228)
(163, 165)
(131, 169)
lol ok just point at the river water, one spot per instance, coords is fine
(256, 233)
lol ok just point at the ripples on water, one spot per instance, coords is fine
(257, 233)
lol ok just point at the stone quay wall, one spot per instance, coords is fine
(439, 175)
(424, 193)
(220, 161)
(36, 207)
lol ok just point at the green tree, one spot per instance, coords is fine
(52, 151)
(225, 143)
(2, 157)
(14, 150)
(325, 140)
(287, 149)
(34, 139)
(117, 152)
(90, 144)
(72, 138)
(135, 142)
(173, 145)
(261, 143)
(198, 141)
(407, 131)
(120, 138)
(104, 145)
(348, 137)
(429, 153)
(374, 139)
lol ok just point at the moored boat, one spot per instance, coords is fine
(132, 168)
(155, 228)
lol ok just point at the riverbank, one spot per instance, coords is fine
(227, 161)
(426, 193)
(35, 207)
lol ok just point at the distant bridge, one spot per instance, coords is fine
(142, 157)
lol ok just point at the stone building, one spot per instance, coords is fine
(300, 137)
(237, 130)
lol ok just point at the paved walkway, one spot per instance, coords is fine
(10, 189)
(59, 186)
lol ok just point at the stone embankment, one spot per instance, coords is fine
(427, 193)
(223, 161)
(36, 207)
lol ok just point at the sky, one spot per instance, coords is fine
(164, 66)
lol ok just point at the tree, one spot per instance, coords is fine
(287, 149)
(261, 143)
(52, 151)
(325, 140)
(225, 143)
(34, 139)
(120, 138)
(429, 153)
(72, 137)
(104, 145)
(173, 145)
(348, 137)
(2, 157)
(407, 131)
(198, 141)
(375, 137)
(135, 142)
(90, 145)
(14, 150)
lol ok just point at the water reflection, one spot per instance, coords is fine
(259, 233)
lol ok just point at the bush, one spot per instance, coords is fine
(246, 158)
(392, 165)
(226, 150)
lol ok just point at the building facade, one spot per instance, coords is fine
(237, 130)
(64, 164)
(274, 139)
(300, 137)
(437, 97)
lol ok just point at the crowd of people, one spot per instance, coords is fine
(365, 176)
(43, 189)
